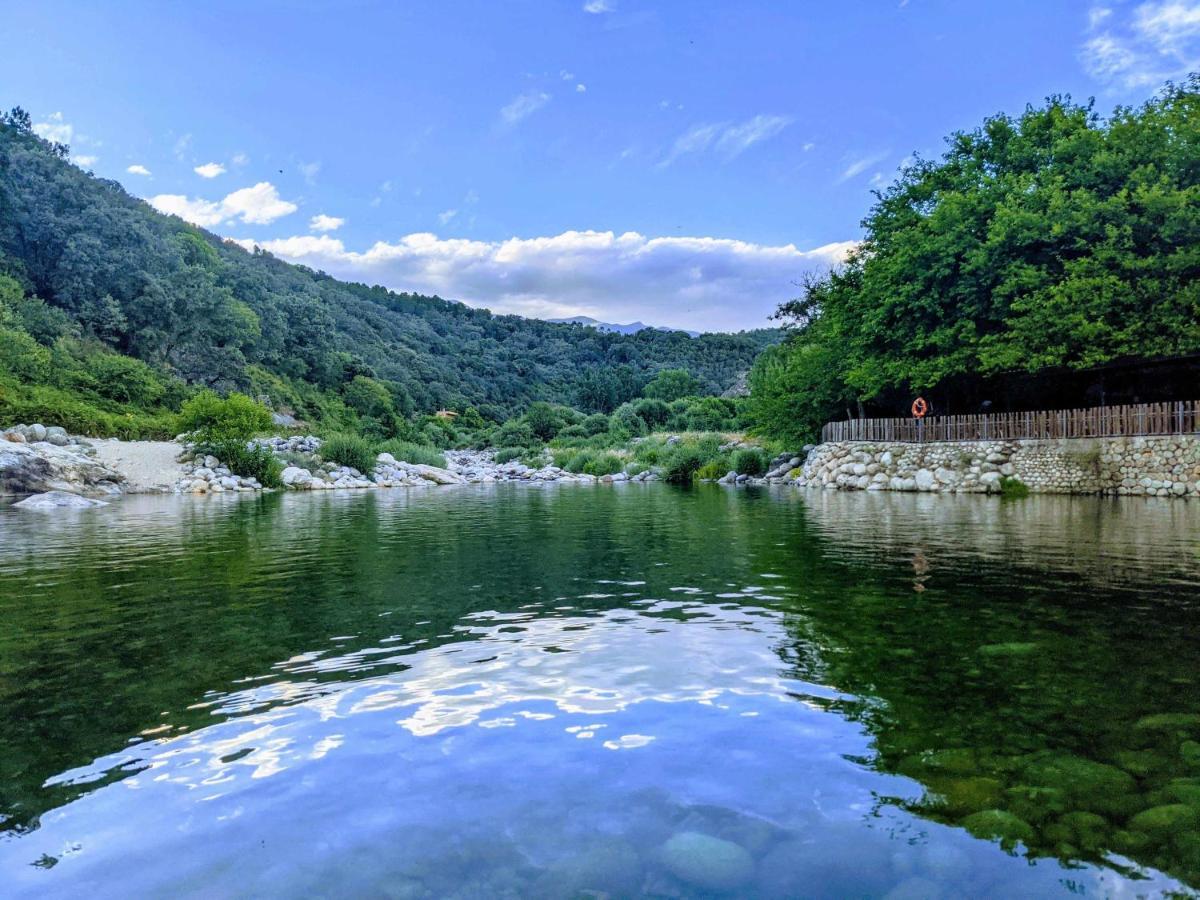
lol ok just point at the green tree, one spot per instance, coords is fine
(672, 384)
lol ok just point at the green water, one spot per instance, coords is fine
(635, 690)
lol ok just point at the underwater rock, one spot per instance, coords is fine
(959, 796)
(1165, 821)
(707, 862)
(840, 860)
(1086, 784)
(1169, 722)
(991, 824)
(609, 867)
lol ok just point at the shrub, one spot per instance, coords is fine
(577, 461)
(711, 471)
(596, 423)
(349, 450)
(417, 454)
(210, 418)
(683, 462)
(654, 413)
(1013, 488)
(710, 414)
(671, 384)
(513, 433)
(249, 460)
(23, 356)
(573, 432)
(750, 461)
(124, 379)
(543, 420)
(604, 464)
(508, 454)
(626, 419)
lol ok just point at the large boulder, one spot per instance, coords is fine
(707, 862)
(58, 500)
(436, 475)
(29, 469)
(296, 477)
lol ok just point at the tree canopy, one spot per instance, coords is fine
(1052, 238)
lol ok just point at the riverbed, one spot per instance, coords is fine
(637, 690)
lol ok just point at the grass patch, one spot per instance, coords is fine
(1013, 488)
(417, 454)
(349, 450)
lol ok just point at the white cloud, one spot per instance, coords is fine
(595, 7)
(240, 159)
(739, 138)
(1158, 42)
(209, 170)
(182, 146)
(446, 215)
(257, 205)
(309, 171)
(726, 138)
(524, 106)
(695, 282)
(84, 162)
(857, 166)
(566, 76)
(581, 88)
(138, 169)
(323, 222)
(54, 129)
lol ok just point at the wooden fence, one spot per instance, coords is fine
(1181, 417)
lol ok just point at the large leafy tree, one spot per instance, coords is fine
(1053, 238)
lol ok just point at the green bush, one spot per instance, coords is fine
(211, 418)
(417, 454)
(654, 413)
(513, 433)
(682, 463)
(596, 423)
(576, 461)
(626, 420)
(298, 459)
(750, 461)
(248, 460)
(603, 464)
(711, 471)
(1013, 488)
(23, 356)
(54, 406)
(543, 420)
(349, 450)
(508, 454)
(573, 432)
(125, 379)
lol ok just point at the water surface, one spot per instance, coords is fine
(524, 691)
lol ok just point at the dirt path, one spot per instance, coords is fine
(150, 466)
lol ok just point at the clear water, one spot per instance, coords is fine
(628, 690)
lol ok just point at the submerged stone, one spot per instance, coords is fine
(1087, 784)
(1164, 821)
(1169, 722)
(707, 862)
(992, 824)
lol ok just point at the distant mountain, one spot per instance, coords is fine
(613, 328)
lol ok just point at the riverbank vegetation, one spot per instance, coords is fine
(1055, 238)
(111, 314)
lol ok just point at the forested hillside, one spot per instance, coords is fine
(1055, 238)
(91, 271)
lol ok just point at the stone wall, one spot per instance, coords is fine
(1152, 466)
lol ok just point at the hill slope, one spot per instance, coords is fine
(187, 302)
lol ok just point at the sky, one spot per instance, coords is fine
(679, 163)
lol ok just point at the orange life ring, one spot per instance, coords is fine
(919, 408)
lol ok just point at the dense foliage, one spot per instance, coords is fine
(1054, 238)
(185, 307)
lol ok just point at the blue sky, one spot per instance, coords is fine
(679, 163)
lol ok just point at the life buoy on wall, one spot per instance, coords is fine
(919, 408)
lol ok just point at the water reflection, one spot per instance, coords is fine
(544, 692)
